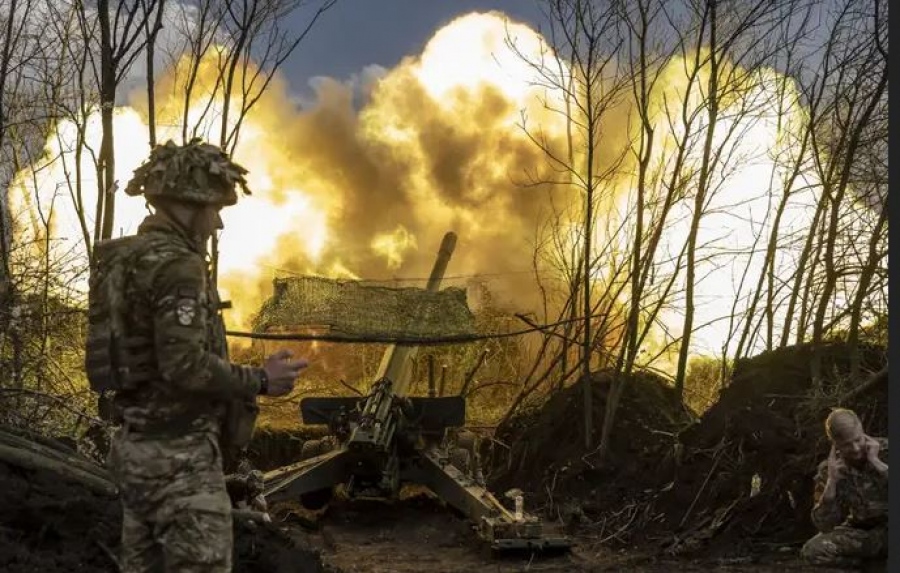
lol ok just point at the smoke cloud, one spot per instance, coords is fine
(363, 179)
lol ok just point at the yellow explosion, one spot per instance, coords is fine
(438, 145)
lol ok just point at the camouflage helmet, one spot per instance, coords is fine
(197, 172)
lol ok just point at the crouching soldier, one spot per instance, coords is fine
(851, 497)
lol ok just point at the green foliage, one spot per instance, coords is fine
(42, 381)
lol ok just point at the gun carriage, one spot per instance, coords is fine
(388, 438)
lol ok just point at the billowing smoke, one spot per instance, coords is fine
(364, 180)
(436, 146)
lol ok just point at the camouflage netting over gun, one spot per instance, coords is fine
(363, 310)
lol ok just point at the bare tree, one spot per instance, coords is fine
(18, 48)
(151, 33)
(256, 32)
(870, 181)
(646, 55)
(248, 42)
(33, 321)
(75, 106)
(729, 31)
(856, 77)
(19, 115)
(793, 160)
(583, 70)
(121, 39)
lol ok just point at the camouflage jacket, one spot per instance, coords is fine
(174, 305)
(861, 498)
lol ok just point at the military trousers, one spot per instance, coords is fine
(176, 512)
(846, 546)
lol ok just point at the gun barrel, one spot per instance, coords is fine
(395, 363)
(448, 244)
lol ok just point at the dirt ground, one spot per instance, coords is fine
(50, 526)
(419, 534)
(766, 427)
(677, 496)
(542, 451)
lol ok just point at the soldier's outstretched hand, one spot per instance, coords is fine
(836, 465)
(283, 372)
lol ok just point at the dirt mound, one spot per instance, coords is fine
(746, 475)
(548, 458)
(738, 481)
(49, 525)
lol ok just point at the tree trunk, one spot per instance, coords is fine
(699, 205)
(768, 270)
(6, 235)
(586, 347)
(865, 280)
(631, 342)
(151, 82)
(106, 168)
(837, 199)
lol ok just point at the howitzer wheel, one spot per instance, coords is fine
(315, 500)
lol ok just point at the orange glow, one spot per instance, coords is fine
(346, 191)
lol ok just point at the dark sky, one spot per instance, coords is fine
(356, 33)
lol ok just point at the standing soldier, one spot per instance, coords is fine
(851, 507)
(156, 343)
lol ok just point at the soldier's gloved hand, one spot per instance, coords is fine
(282, 372)
(872, 449)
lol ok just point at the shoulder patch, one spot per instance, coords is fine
(186, 309)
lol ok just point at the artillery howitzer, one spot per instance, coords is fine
(385, 439)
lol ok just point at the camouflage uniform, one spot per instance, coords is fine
(854, 527)
(166, 458)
